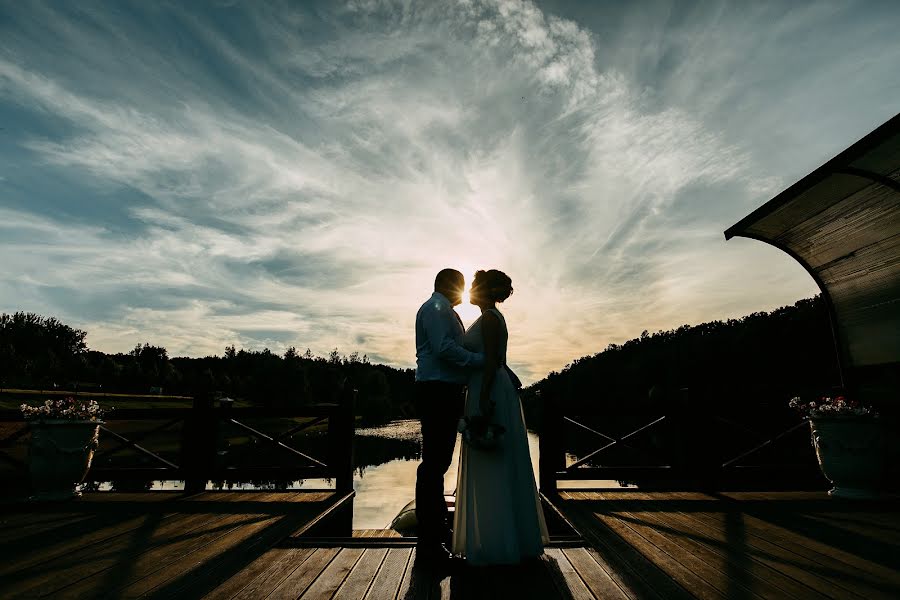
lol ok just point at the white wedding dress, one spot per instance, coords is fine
(498, 517)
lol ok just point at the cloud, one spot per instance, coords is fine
(296, 176)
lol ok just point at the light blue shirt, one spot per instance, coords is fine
(440, 355)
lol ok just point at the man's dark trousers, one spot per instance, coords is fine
(440, 405)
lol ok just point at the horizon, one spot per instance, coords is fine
(346, 353)
(275, 176)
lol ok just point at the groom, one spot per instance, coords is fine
(442, 369)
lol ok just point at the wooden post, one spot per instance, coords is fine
(341, 428)
(198, 444)
(552, 453)
(696, 458)
(677, 413)
(223, 416)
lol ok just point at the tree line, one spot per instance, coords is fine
(42, 352)
(763, 357)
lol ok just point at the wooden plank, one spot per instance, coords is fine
(375, 533)
(114, 549)
(93, 516)
(816, 570)
(797, 510)
(738, 575)
(631, 571)
(624, 577)
(566, 577)
(328, 582)
(160, 566)
(203, 562)
(882, 522)
(404, 586)
(12, 520)
(632, 567)
(827, 556)
(880, 528)
(421, 581)
(154, 565)
(302, 577)
(56, 555)
(360, 578)
(105, 537)
(758, 575)
(222, 566)
(594, 576)
(391, 574)
(684, 570)
(261, 576)
(15, 536)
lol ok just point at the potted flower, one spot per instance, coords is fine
(64, 435)
(849, 444)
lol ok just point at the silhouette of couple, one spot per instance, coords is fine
(463, 373)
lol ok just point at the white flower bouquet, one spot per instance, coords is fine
(479, 433)
(67, 408)
(827, 406)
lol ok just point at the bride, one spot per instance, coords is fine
(498, 516)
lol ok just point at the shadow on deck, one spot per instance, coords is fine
(638, 545)
(162, 544)
(742, 545)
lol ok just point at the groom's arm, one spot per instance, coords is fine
(440, 325)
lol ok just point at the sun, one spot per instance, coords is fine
(468, 312)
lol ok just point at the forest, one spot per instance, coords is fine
(39, 352)
(761, 358)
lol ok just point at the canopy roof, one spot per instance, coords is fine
(842, 223)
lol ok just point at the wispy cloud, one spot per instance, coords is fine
(268, 175)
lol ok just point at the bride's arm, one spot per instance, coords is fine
(490, 334)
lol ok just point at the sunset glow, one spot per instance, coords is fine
(468, 312)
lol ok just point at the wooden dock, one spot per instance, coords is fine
(741, 544)
(266, 545)
(143, 544)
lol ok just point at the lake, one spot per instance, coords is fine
(385, 459)
(383, 489)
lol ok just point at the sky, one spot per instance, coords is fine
(196, 175)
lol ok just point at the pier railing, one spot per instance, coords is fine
(686, 445)
(197, 446)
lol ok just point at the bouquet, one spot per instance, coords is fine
(827, 406)
(479, 433)
(66, 408)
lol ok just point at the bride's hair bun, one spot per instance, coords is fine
(497, 284)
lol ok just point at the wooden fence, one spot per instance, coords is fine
(702, 448)
(204, 453)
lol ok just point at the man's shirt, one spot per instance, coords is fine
(440, 355)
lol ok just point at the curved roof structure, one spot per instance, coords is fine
(842, 223)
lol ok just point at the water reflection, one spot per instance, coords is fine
(385, 460)
(383, 489)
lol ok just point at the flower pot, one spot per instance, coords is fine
(60, 455)
(851, 453)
